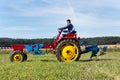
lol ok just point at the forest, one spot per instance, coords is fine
(7, 42)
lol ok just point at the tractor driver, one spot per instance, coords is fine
(67, 29)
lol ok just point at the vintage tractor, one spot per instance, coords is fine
(65, 46)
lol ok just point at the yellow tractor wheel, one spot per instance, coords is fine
(17, 56)
(68, 51)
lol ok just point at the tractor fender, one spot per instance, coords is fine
(75, 39)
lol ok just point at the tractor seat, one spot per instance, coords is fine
(64, 35)
(65, 31)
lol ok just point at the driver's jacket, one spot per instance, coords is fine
(69, 27)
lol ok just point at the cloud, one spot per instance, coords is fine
(19, 28)
(89, 20)
(88, 4)
(95, 13)
(20, 9)
(46, 11)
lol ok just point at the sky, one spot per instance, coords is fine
(42, 18)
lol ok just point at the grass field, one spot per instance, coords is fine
(48, 68)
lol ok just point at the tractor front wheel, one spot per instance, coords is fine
(17, 56)
(68, 51)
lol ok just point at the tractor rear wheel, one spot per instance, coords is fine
(68, 51)
(17, 56)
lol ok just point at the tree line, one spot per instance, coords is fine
(7, 42)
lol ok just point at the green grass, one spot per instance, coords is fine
(48, 68)
(113, 50)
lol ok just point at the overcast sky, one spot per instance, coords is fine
(41, 18)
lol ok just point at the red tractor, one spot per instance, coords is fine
(65, 46)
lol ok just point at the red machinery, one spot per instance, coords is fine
(65, 46)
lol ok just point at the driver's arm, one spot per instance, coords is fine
(64, 27)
